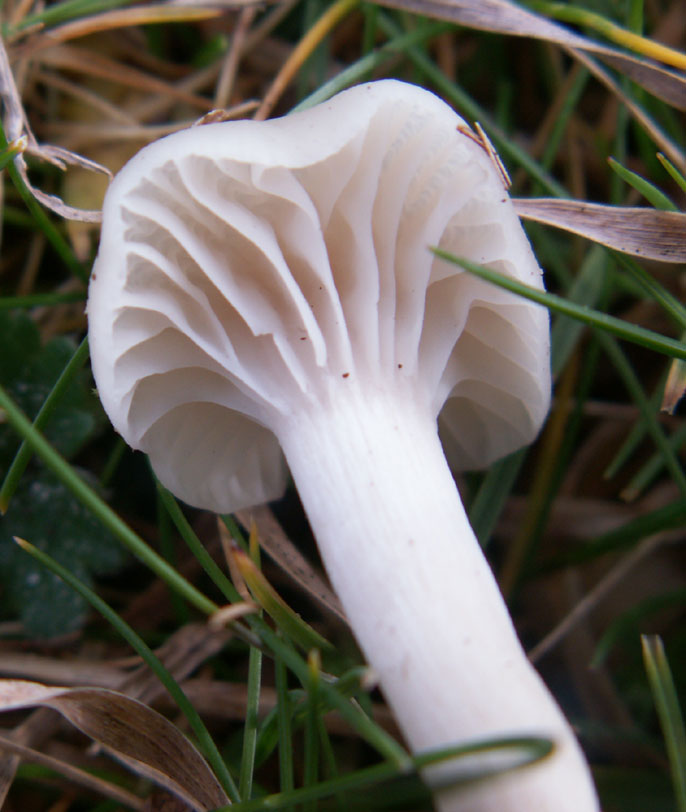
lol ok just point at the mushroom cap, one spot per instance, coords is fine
(244, 267)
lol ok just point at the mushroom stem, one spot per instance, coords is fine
(419, 595)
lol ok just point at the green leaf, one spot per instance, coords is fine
(44, 512)
(29, 371)
(669, 711)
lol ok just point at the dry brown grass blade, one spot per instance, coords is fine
(81, 777)
(39, 726)
(87, 134)
(136, 735)
(602, 588)
(8, 769)
(231, 62)
(69, 672)
(642, 232)
(282, 550)
(14, 15)
(85, 98)
(504, 17)
(182, 653)
(87, 62)
(604, 77)
(123, 18)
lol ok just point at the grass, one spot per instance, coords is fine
(583, 530)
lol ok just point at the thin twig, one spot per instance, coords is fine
(331, 17)
(229, 71)
(606, 584)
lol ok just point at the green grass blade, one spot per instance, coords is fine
(46, 225)
(12, 149)
(669, 711)
(648, 415)
(655, 521)
(283, 719)
(580, 80)
(594, 318)
(374, 735)
(23, 455)
(492, 495)
(359, 70)
(531, 750)
(652, 194)
(673, 172)
(586, 290)
(364, 726)
(167, 546)
(312, 726)
(149, 657)
(194, 544)
(651, 469)
(17, 217)
(250, 727)
(632, 441)
(626, 624)
(662, 296)
(63, 12)
(286, 619)
(573, 13)
(115, 456)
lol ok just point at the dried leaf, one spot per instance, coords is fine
(282, 550)
(53, 202)
(61, 157)
(37, 728)
(182, 653)
(11, 101)
(138, 736)
(81, 777)
(16, 126)
(504, 17)
(642, 232)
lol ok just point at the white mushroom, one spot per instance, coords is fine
(266, 286)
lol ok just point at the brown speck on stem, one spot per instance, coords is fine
(345, 375)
